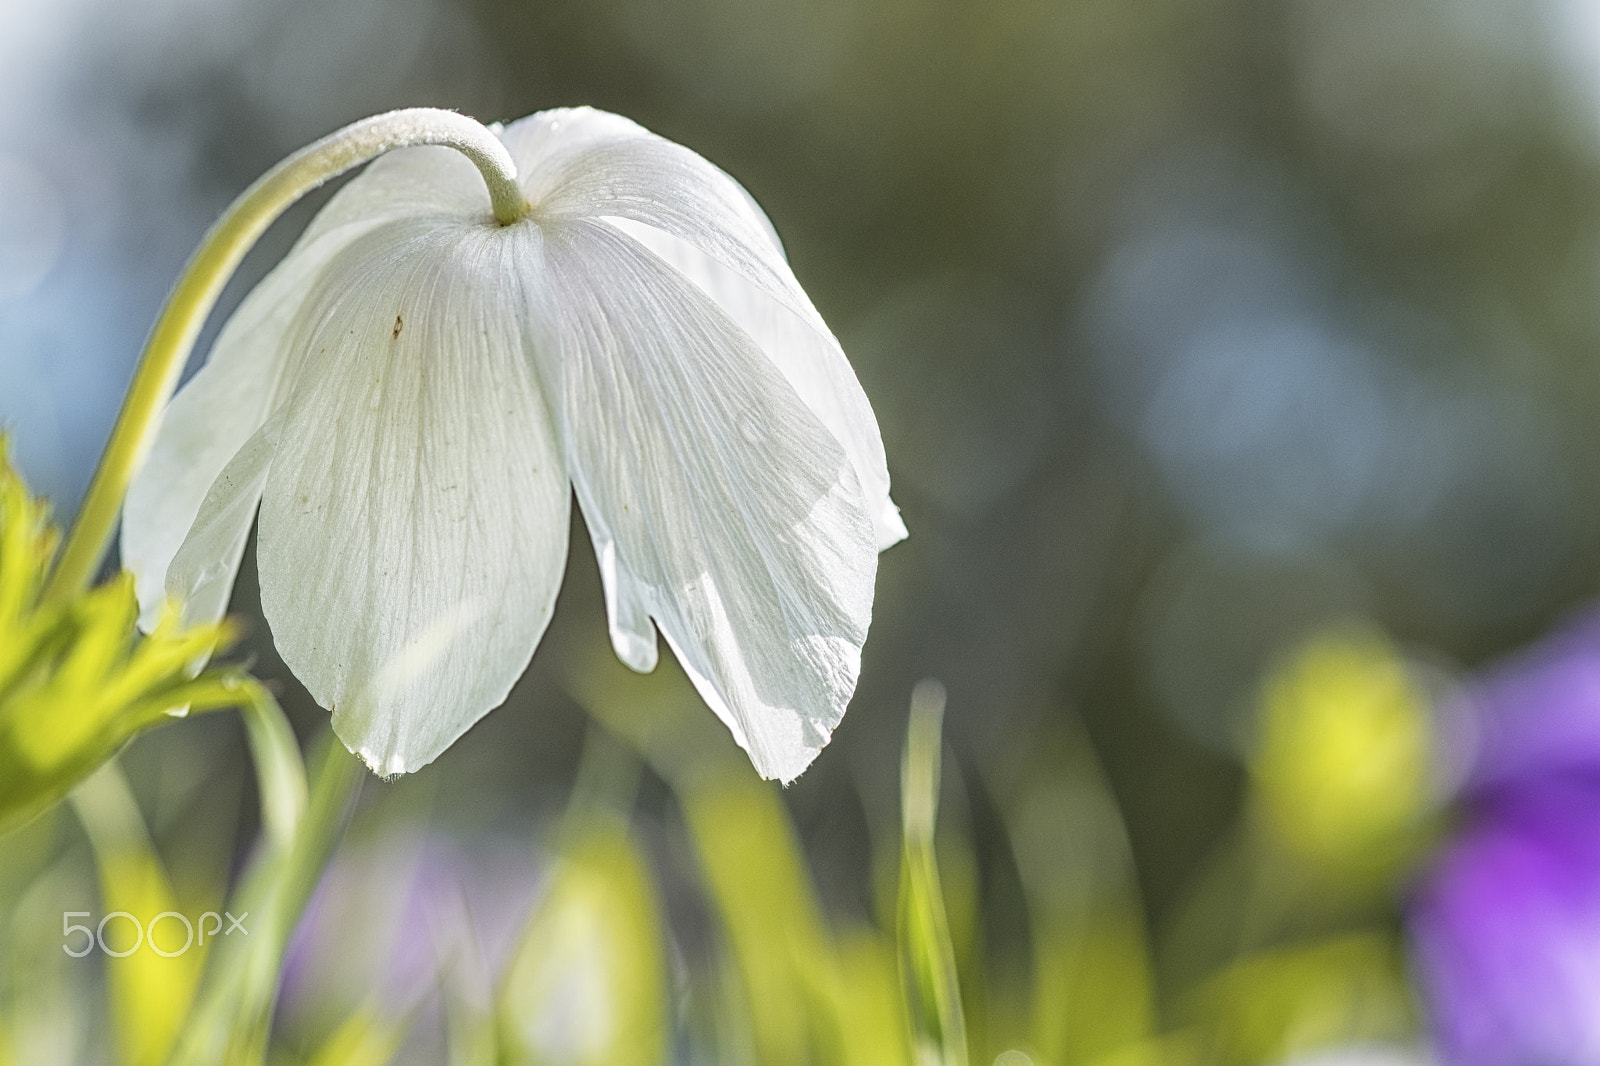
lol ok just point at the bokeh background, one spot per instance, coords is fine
(1198, 330)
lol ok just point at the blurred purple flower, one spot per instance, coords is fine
(398, 917)
(1505, 926)
(1538, 714)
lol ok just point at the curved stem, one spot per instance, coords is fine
(209, 269)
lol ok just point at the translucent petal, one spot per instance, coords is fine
(810, 359)
(720, 506)
(582, 163)
(203, 570)
(586, 163)
(248, 374)
(249, 371)
(413, 530)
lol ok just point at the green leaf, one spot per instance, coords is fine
(366, 1038)
(751, 864)
(869, 1018)
(150, 992)
(77, 681)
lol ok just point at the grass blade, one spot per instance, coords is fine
(927, 956)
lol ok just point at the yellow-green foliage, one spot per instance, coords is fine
(587, 986)
(367, 1038)
(1093, 993)
(76, 679)
(1294, 999)
(150, 992)
(799, 993)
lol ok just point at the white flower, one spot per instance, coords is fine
(410, 393)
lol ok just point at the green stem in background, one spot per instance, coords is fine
(927, 957)
(155, 1009)
(231, 1021)
(208, 271)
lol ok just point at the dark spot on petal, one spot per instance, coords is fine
(399, 324)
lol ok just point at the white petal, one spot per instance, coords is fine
(810, 359)
(413, 531)
(586, 163)
(541, 142)
(582, 163)
(203, 570)
(720, 506)
(249, 372)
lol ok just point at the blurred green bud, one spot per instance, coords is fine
(1342, 763)
(76, 679)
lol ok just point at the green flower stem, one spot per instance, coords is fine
(209, 269)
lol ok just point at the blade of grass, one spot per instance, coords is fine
(230, 1024)
(366, 1038)
(588, 984)
(150, 993)
(927, 958)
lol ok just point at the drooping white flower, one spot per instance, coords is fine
(410, 393)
